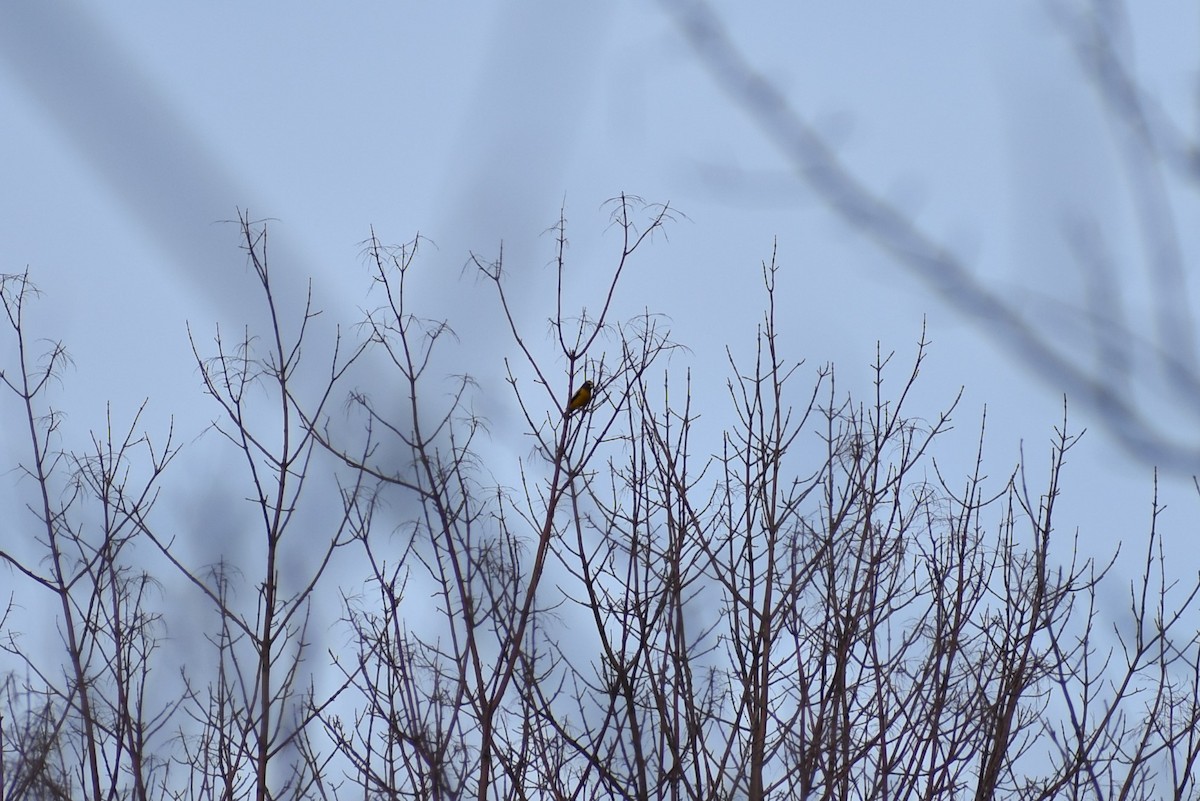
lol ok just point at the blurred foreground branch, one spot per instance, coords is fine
(1124, 370)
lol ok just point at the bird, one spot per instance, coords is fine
(580, 399)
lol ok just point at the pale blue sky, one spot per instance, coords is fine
(131, 129)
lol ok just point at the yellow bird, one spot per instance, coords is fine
(581, 398)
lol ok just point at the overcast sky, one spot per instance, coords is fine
(132, 130)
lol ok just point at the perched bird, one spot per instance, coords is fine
(582, 396)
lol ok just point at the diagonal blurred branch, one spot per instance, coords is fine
(1101, 39)
(998, 316)
(138, 138)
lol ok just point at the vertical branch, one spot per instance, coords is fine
(257, 710)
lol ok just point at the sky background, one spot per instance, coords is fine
(134, 132)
